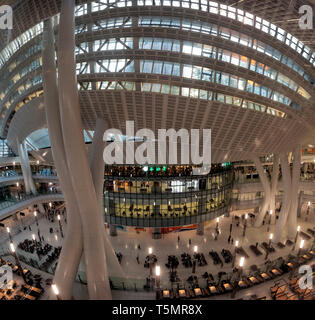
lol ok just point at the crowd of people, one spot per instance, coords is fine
(52, 257)
(150, 261)
(32, 246)
(160, 171)
(172, 263)
(200, 259)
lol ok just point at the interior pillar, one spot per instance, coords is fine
(20, 148)
(97, 169)
(71, 252)
(77, 159)
(201, 229)
(300, 203)
(29, 171)
(292, 218)
(286, 201)
(156, 233)
(267, 190)
(112, 230)
(274, 187)
(305, 167)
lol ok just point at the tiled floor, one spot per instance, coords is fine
(127, 243)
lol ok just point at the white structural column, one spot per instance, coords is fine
(97, 169)
(267, 190)
(274, 186)
(41, 208)
(286, 202)
(29, 172)
(77, 159)
(305, 168)
(292, 218)
(72, 245)
(20, 148)
(96, 159)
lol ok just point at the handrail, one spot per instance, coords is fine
(11, 201)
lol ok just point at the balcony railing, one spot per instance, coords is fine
(11, 200)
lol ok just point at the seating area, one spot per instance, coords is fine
(31, 290)
(186, 260)
(172, 262)
(283, 290)
(51, 257)
(215, 257)
(35, 247)
(227, 256)
(150, 260)
(226, 284)
(255, 250)
(267, 247)
(201, 260)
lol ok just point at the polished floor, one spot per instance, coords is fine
(127, 243)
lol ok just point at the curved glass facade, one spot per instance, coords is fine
(197, 49)
(212, 7)
(164, 200)
(21, 81)
(182, 91)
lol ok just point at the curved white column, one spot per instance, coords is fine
(72, 245)
(266, 186)
(97, 170)
(274, 186)
(292, 218)
(305, 167)
(29, 171)
(96, 158)
(23, 166)
(286, 202)
(77, 160)
(41, 208)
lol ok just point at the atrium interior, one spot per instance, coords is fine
(93, 210)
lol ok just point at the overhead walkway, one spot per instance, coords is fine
(11, 206)
(237, 204)
(13, 179)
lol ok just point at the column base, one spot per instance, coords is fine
(200, 229)
(112, 230)
(156, 233)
